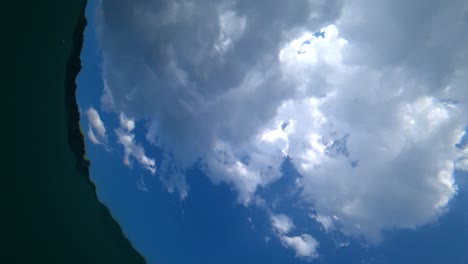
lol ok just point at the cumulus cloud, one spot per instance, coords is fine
(126, 138)
(282, 223)
(96, 128)
(196, 75)
(370, 110)
(304, 245)
(387, 154)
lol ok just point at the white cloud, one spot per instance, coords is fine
(95, 124)
(92, 137)
(126, 123)
(462, 164)
(282, 223)
(369, 113)
(304, 245)
(125, 137)
(327, 222)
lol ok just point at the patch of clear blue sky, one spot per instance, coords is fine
(210, 227)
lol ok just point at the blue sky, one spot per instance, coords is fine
(189, 141)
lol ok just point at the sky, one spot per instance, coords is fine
(279, 132)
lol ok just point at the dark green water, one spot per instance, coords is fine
(50, 212)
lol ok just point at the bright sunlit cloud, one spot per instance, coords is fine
(355, 93)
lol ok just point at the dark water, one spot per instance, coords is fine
(50, 213)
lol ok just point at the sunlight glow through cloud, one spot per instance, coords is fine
(360, 112)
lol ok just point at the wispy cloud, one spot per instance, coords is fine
(96, 128)
(327, 222)
(132, 150)
(141, 184)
